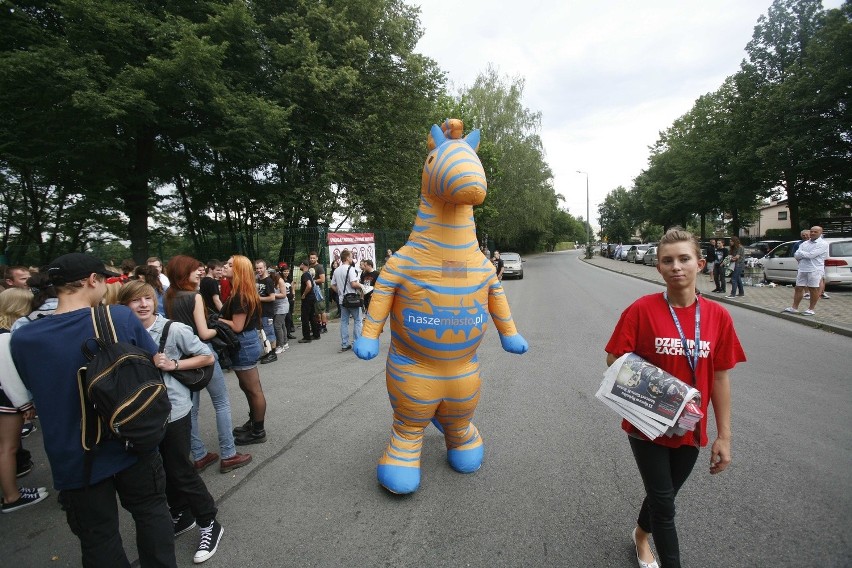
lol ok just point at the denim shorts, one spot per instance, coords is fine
(250, 351)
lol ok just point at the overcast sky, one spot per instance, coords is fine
(606, 75)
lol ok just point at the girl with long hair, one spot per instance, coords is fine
(242, 312)
(281, 305)
(737, 253)
(14, 303)
(185, 304)
(710, 349)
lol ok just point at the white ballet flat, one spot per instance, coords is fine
(639, 560)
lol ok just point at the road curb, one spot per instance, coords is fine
(722, 300)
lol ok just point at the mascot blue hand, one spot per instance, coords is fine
(366, 348)
(514, 344)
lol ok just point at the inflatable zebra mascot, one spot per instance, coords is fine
(438, 291)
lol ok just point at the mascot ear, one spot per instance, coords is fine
(473, 139)
(436, 137)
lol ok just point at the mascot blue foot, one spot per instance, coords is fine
(398, 479)
(466, 460)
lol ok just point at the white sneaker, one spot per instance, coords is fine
(791, 310)
(825, 296)
(279, 350)
(808, 313)
(807, 296)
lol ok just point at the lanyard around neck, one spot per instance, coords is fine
(691, 354)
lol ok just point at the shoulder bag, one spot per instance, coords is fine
(193, 379)
(351, 300)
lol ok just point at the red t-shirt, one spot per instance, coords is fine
(224, 289)
(647, 329)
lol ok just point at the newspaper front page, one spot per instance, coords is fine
(648, 397)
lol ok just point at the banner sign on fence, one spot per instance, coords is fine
(362, 246)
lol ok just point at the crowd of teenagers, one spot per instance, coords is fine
(177, 312)
(233, 315)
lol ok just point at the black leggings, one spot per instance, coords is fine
(663, 470)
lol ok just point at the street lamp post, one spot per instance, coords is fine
(588, 220)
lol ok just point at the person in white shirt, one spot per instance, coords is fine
(158, 264)
(811, 255)
(346, 280)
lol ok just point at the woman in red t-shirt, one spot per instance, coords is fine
(649, 329)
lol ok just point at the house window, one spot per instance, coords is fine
(782, 215)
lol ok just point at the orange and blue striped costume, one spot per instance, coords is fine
(438, 291)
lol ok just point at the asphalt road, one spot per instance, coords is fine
(558, 486)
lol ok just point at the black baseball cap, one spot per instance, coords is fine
(75, 266)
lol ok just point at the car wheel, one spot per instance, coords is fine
(521, 276)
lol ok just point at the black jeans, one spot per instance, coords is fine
(663, 470)
(92, 515)
(289, 320)
(185, 489)
(310, 327)
(719, 276)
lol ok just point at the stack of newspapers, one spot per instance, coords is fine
(654, 401)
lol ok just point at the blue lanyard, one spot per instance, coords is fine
(691, 354)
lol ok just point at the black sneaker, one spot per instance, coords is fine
(210, 537)
(34, 490)
(24, 468)
(25, 500)
(305, 340)
(268, 358)
(291, 336)
(183, 522)
(243, 429)
(28, 428)
(252, 437)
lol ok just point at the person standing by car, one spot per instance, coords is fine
(719, 255)
(811, 255)
(737, 253)
(498, 264)
(710, 350)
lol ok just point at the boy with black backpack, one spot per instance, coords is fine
(48, 354)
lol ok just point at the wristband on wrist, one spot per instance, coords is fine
(177, 365)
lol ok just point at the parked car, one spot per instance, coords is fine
(650, 256)
(608, 250)
(760, 248)
(780, 266)
(623, 254)
(636, 252)
(513, 265)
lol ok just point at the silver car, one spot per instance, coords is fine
(513, 265)
(780, 266)
(650, 257)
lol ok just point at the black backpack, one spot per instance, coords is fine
(124, 388)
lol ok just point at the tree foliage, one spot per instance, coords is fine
(781, 126)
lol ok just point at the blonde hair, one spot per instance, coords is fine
(134, 290)
(111, 296)
(14, 303)
(680, 235)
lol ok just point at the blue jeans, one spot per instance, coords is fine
(345, 313)
(92, 514)
(737, 280)
(218, 391)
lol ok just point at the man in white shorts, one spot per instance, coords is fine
(811, 255)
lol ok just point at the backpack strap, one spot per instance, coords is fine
(102, 320)
(164, 336)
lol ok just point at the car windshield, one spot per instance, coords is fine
(843, 248)
(510, 256)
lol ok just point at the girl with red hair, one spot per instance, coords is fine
(185, 304)
(242, 313)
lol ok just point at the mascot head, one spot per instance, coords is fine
(453, 172)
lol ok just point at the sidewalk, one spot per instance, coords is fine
(834, 314)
